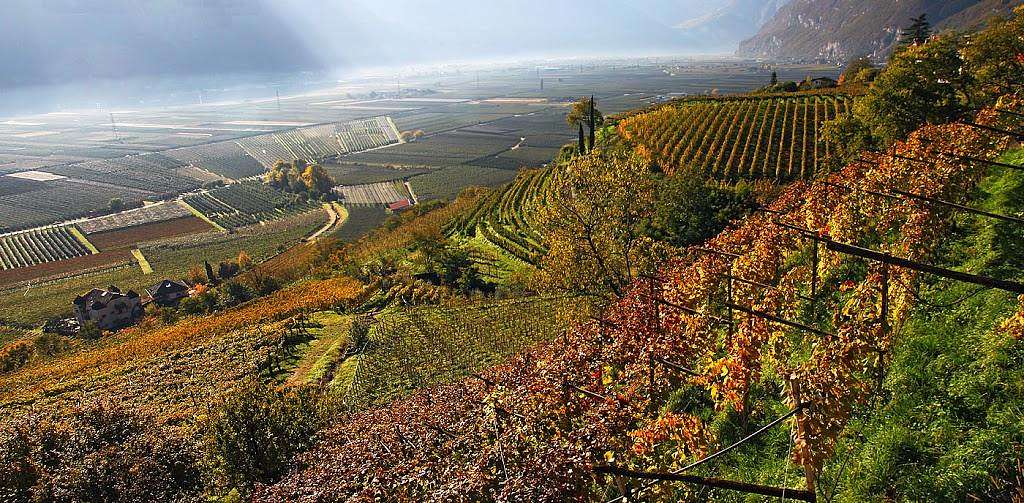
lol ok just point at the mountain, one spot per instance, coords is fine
(837, 30)
(729, 24)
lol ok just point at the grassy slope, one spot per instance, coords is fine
(955, 389)
(950, 416)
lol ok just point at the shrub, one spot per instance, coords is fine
(90, 331)
(96, 452)
(50, 344)
(14, 356)
(255, 432)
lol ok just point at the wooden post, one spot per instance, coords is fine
(728, 288)
(814, 272)
(805, 452)
(650, 377)
(885, 297)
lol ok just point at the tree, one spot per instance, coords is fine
(918, 32)
(592, 121)
(595, 223)
(251, 437)
(856, 70)
(690, 210)
(995, 58)
(244, 260)
(922, 84)
(582, 148)
(116, 204)
(580, 113)
(210, 276)
(90, 331)
(316, 180)
(775, 78)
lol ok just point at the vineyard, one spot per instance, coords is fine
(418, 347)
(504, 217)
(39, 246)
(788, 322)
(248, 203)
(731, 138)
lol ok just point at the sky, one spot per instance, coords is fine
(61, 41)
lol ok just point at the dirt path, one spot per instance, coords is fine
(337, 215)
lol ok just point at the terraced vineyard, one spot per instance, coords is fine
(730, 138)
(248, 203)
(505, 218)
(39, 246)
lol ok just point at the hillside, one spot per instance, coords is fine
(838, 30)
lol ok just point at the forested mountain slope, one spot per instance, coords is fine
(838, 30)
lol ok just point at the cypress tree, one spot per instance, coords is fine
(775, 78)
(593, 124)
(582, 148)
(209, 273)
(918, 32)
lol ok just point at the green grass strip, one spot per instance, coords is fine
(200, 215)
(73, 229)
(143, 263)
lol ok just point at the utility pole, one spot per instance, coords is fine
(113, 127)
(278, 93)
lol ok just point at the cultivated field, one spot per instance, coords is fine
(381, 193)
(248, 203)
(146, 215)
(38, 246)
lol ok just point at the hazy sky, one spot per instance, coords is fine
(57, 41)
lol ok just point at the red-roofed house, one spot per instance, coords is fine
(399, 205)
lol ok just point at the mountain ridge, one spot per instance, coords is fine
(835, 31)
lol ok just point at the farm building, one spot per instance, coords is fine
(400, 205)
(168, 292)
(109, 309)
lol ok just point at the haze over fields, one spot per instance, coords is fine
(62, 40)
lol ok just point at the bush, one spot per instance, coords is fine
(50, 344)
(255, 432)
(96, 452)
(90, 331)
(14, 356)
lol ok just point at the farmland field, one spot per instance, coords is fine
(381, 193)
(170, 258)
(446, 183)
(248, 203)
(141, 216)
(355, 174)
(39, 246)
(131, 236)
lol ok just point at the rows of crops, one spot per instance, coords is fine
(153, 173)
(417, 347)
(38, 246)
(506, 217)
(381, 193)
(146, 215)
(318, 142)
(226, 158)
(760, 137)
(248, 203)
